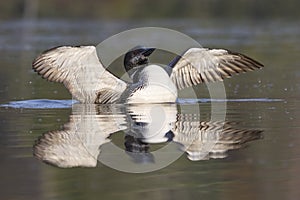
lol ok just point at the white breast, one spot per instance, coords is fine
(157, 87)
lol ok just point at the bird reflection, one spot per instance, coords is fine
(90, 126)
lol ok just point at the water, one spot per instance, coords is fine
(263, 105)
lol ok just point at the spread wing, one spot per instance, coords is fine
(202, 65)
(80, 70)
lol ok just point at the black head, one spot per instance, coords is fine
(136, 57)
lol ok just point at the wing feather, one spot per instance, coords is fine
(80, 70)
(202, 65)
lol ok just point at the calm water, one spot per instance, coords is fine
(258, 158)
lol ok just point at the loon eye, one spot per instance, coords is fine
(135, 60)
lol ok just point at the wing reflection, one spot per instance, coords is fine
(77, 144)
(211, 139)
(81, 140)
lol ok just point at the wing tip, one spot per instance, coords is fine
(40, 58)
(256, 63)
(41, 67)
(44, 62)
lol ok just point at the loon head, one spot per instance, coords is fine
(136, 57)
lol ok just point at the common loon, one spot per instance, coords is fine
(83, 74)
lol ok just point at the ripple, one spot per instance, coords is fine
(51, 103)
(40, 104)
(207, 100)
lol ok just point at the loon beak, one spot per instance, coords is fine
(148, 51)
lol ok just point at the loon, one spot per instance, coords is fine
(83, 74)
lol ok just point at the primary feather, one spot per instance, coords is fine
(202, 65)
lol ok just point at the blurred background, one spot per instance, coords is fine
(267, 30)
(135, 9)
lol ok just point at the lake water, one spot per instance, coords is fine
(45, 135)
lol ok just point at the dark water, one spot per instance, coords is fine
(263, 163)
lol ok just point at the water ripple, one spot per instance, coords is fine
(50, 103)
(207, 100)
(40, 104)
